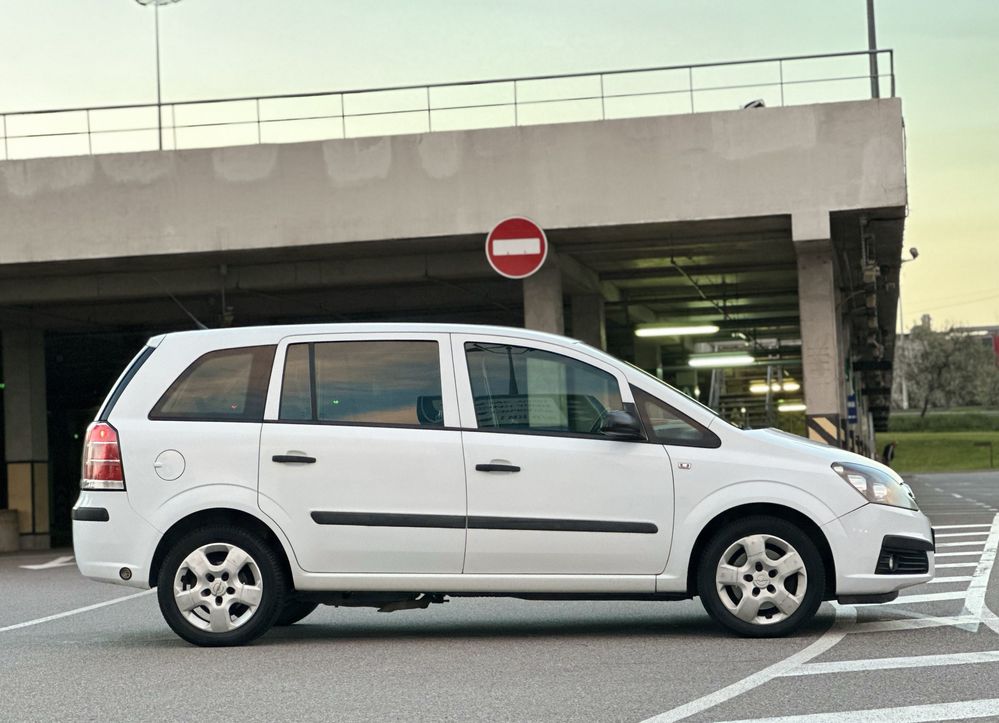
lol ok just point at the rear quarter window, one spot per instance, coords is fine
(226, 385)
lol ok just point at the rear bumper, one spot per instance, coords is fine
(108, 535)
(856, 540)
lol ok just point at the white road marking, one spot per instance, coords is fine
(956, 554)
(945, 580)
(64, 561)
(845, 616)
(929, 597)
(956, 564)
(77, 611)
(975, 601)
(912, 661)
(974, 543)
(983, 533)
(961, 710)
(885, 626)
(955, 494)
(960, 527)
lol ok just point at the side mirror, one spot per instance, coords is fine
(621, 425)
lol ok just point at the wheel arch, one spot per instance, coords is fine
(801, 520)
(218, 516)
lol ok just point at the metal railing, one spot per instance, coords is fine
(531, 100)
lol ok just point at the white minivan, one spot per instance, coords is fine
(252, 474)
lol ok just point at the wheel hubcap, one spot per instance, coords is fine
(761, 579)
(218, 587)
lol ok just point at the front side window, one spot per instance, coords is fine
(222, 386)
(515, 388)
(668, 426)
(363, 382)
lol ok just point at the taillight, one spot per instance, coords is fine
(102, 459)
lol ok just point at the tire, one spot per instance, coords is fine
(293, 611)
(197, 596)
(761, 577)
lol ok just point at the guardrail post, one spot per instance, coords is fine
(6, 153)
(90, 145)
(430, 122)
(258, 122)
(343, 115)
(603, 110)
(690, 82)
(515, 118)
(891, 69)
(780, 68)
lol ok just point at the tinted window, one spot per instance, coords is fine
(668, 426)
(363, 382)
(224, 385)
(517, 388)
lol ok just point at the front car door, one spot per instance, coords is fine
(357, 466)
(547, 492)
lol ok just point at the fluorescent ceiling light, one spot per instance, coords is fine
(761, 387)
(791, 407)
(721, 360)
(662, 330)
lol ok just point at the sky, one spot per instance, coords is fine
(71, 53)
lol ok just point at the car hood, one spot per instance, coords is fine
(817, 451)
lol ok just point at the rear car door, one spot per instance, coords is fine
(357, 466)
(547, 493)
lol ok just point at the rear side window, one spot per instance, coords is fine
(228, 385)
(363, 382)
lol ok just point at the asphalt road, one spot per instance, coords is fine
(932, 655)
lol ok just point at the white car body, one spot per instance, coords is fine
(176, 469)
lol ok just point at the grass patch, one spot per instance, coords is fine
(952, 420)
(940, 451)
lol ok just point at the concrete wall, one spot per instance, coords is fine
(834, 156)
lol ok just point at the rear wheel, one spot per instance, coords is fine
(220, 586)
(761, 577)
(295, 610)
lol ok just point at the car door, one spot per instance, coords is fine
(547, 492)
(357, 466)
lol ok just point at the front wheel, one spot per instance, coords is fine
(220, 586)
(761, 577)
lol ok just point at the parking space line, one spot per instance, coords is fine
(983, 533)
(960, 527)
(965, 709)
(887, 626)
(970, 543)
(956, 564)
(928, 597)
(846, 615)
(945, 580)
(975, 601)
(956, 554)
(915, 661)
(77, 611)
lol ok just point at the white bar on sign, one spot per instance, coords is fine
(516, 247)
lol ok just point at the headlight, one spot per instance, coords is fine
(876, 485)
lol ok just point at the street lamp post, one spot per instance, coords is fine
(156, 24)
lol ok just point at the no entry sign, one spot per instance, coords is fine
(516, 247)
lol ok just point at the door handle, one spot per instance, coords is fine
(492, 467)
(293, 459)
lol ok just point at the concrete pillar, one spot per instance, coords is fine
(26, 433)
(823, 359)
(543, 298)
(588, 320)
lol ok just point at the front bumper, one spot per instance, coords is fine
(856, 540)
(109, 535)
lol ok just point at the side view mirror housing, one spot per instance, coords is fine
(621, 425)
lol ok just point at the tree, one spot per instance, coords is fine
(949, 368)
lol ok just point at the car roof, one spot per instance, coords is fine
(274, 333)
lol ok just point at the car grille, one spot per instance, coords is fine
(901, 561)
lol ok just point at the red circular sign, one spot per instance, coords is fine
(516, 247)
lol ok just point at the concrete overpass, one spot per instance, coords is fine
(783, 226)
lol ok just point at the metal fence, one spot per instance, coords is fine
(793, 80)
